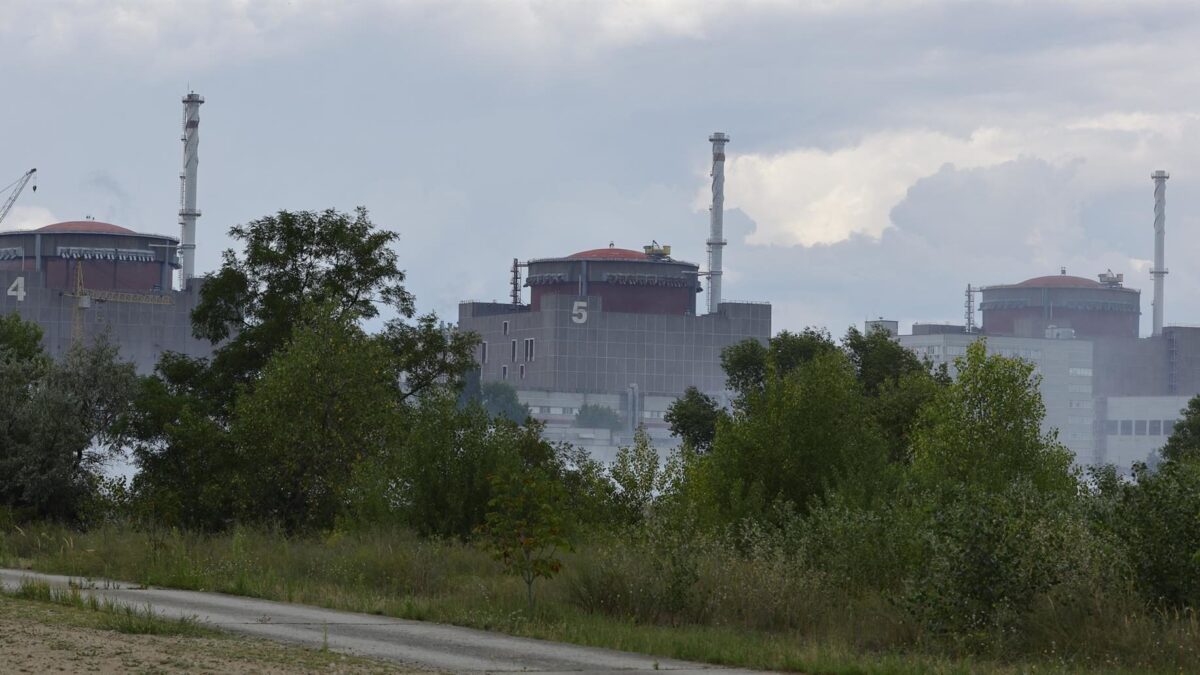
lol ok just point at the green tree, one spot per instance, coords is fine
(324, 404)
(749, 363)
(878, 358)
(525, 527)
(1184, 441)
(805, 434)
(20, 340)
(1159, 519)
(693, 419)
(596, 416)
(58, 424)
(436, 477)
(638, 477)
(984, 430)
(292, 260)
(193, 470)
(189, 471)
(498, 398)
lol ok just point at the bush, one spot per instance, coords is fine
(1160, 519)
(986, 557)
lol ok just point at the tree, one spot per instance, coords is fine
(693, 419)
(525, 526)
(805, 434)
(427, 355)
(499, 399)
(638, 476)
(189, 471)
(324, 404)
(292, 260)
(747, 364)
(57, 427)
(596, 416)
(984, 430)
(194, 471)
(1184, 442)
(1159, 519)
(20, 340)
(878, 358)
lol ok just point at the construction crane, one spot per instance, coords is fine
(84, 296)
(16, 186)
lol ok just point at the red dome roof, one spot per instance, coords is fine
(84, 227)
(610, 253)
(1060, 281)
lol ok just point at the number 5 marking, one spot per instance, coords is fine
(17, 289)
(579, 311)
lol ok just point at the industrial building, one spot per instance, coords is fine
(1112, 396)
(614, 327)
(80, 279)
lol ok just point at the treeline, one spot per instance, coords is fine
(850, 468)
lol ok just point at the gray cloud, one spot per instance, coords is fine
(484, 132)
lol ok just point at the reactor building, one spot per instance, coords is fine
(1112, 396)
(80, 279)
(616, 328)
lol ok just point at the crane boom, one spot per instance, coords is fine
(16, 186)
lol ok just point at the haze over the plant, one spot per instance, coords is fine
(884, 155)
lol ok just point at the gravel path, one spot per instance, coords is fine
(427, 645)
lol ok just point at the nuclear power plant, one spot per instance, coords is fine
(616, 328)
(1112, 397)
(80, 279)
(620, 328)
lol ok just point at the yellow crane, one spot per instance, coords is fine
(84, 296)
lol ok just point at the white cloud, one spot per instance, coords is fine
(27, 218)
(813, 196)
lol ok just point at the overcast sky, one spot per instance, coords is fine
(884, 154)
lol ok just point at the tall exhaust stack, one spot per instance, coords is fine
(716, 239)
(187, 189)
(1160, 232)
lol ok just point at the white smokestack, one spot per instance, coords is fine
(716, 239)
(187, 189)
(1160, 233)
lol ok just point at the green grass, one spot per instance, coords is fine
(113, 615)
(754, 614)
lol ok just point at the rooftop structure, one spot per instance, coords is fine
(1061, 302)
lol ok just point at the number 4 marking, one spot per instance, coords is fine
(17, 289)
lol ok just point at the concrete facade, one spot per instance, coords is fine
(572, 345)
(1134, 427)
(572, 352)
(142, 331)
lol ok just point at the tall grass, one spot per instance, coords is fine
(699, 599)
(112, 615)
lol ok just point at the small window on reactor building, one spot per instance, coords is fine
(483, 353)
(1110, 427)
(1126, 427)
(514, 351)
(505, 325)
(504, 372)
(1139, 428)
(522, 371)
(1168, 427)
(1156, 427)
